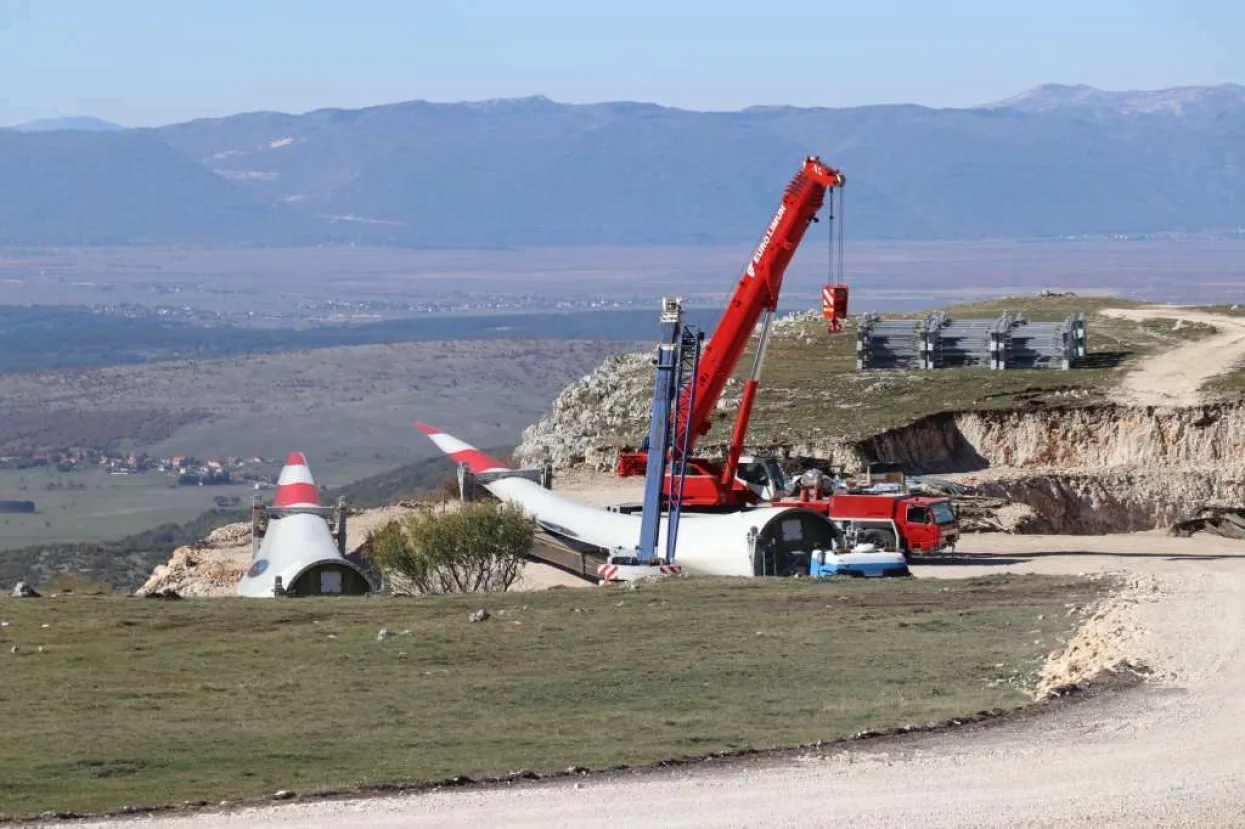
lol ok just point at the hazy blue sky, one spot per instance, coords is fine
(155, 61)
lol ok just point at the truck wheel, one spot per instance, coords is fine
(882, 539)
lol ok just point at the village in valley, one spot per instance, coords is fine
(185, 470)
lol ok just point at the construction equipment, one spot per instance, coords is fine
(882, 513)
(674, 394)
(708, 485)
(744, 481)
(753, 542)
(864, 560)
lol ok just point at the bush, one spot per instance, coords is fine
(476, 549)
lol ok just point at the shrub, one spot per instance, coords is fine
(476, 549)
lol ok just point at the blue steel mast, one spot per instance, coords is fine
(678, 358)
(664, 389)
(690, 343)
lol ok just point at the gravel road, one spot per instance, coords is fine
(1175, 377)
(1168, 753)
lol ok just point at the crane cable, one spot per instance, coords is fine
(835, 271)
(830, 277)
(841, 273)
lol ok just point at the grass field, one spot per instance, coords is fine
(139, 702)
(110, 506)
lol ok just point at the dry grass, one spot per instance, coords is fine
(1229, 386)
(144, 702)
(811, 389)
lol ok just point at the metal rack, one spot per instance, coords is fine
(938, 341)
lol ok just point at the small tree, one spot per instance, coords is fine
(476, 549)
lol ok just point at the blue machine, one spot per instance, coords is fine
(863, 561)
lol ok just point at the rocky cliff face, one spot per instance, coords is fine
(593, 417)
(1090, 437)
(1083, 502)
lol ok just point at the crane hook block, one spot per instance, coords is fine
(834, 306)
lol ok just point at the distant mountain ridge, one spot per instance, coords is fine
(1054, 161)
(1183, 102)
(82, 123)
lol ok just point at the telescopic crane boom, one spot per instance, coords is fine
(754, 300)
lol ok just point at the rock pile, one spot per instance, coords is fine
(593, 416)
(212, 568)
(22, 590)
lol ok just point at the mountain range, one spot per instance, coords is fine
(1055, 161)
(81, 123)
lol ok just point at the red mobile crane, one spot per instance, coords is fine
(708, 485)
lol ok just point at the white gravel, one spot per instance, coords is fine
(1167, 754)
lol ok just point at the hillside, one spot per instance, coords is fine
(1056, 161)
(118, 188)
(813, 402)
(1078, 447)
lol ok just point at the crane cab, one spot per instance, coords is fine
(763, 476)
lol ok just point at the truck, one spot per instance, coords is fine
(884, 514)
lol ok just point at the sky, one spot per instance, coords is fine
(148, 62)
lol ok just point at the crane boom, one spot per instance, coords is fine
(707, 484)
(758, 288)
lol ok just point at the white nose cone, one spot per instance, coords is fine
(298, 546)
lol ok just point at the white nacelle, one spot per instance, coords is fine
(292, 545)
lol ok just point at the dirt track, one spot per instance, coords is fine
(1175, 378)
(1166, 754)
